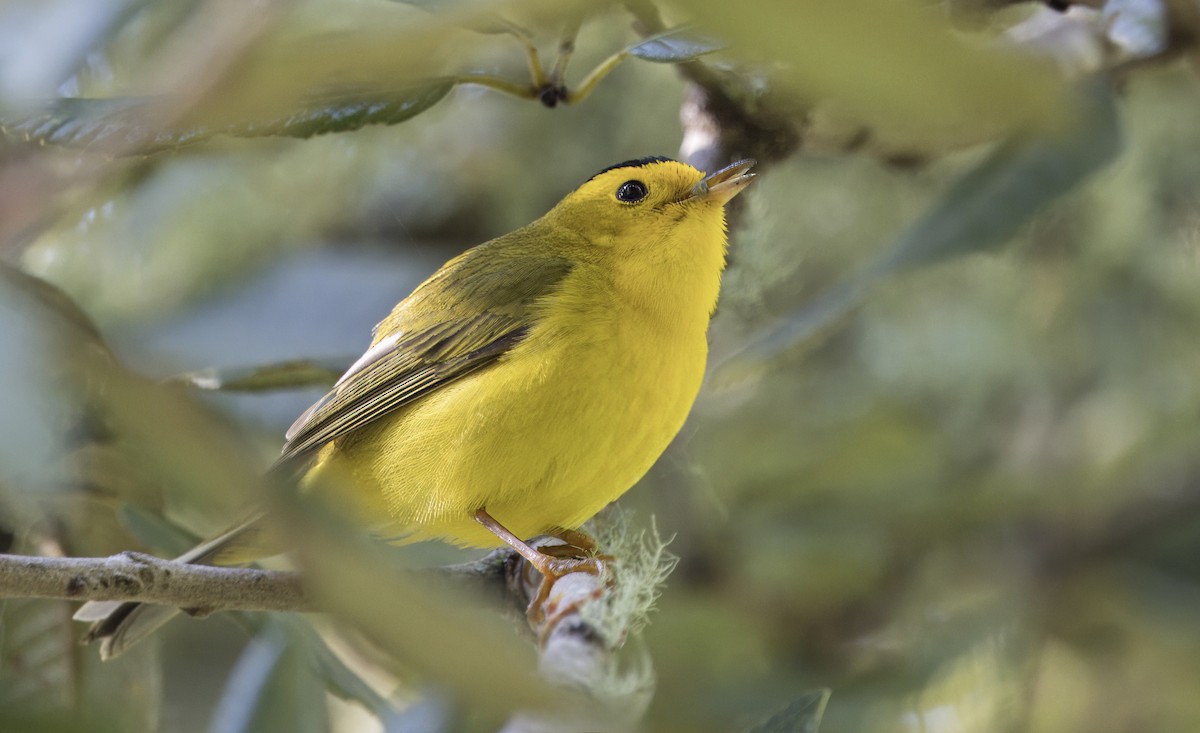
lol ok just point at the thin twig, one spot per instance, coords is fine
(594, 77)
(521, 91)
(566, 48)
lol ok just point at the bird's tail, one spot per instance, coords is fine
(118, 625)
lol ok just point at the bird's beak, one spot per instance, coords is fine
(725, 183)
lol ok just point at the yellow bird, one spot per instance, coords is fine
(525, 385)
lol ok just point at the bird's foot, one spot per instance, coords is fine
(544, 611)
(554, 562)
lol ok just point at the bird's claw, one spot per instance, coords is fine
(543, 612)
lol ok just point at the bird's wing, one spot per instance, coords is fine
(465, 317)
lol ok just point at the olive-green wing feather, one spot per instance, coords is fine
(462, 319)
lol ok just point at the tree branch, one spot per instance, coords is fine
(580, 627)
(132, 576)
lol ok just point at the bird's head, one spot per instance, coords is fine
(638, 204)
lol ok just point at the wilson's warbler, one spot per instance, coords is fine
(524, 386)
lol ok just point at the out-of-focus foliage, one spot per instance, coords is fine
(981, 210)
(966, 502)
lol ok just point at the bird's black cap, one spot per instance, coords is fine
(637, 163)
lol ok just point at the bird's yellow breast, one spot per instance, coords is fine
(561, 425)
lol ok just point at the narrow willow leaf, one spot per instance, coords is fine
(981, 211)
(673, 46)
(127, 126)
(271, 377)
(802, 716)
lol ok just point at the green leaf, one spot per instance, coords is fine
(674, 45)
(126, 125)
(349, 111)
(802, 716)
(297, 374)
(273, 687)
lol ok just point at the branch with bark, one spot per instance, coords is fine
(133, 576)
(579, 627)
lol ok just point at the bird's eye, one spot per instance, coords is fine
(632, 191)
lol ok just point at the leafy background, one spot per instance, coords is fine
(955, 487)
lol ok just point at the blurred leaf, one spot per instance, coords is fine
(991, 203)
(43, 336)
(273, 688)
(272, 377)
(36, 653)
(340, 679)
(802, 716)
(126, 124)
(286, 73)
(675, 45)
(891, 65)
(457, 644)
(155, 532)
(480, 23)
(36, 719)
(54, 300)
(44, 668)
(204, 466)
(980, 211)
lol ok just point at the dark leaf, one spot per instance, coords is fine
(349, 111)
(675, 45)
(127, 125)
